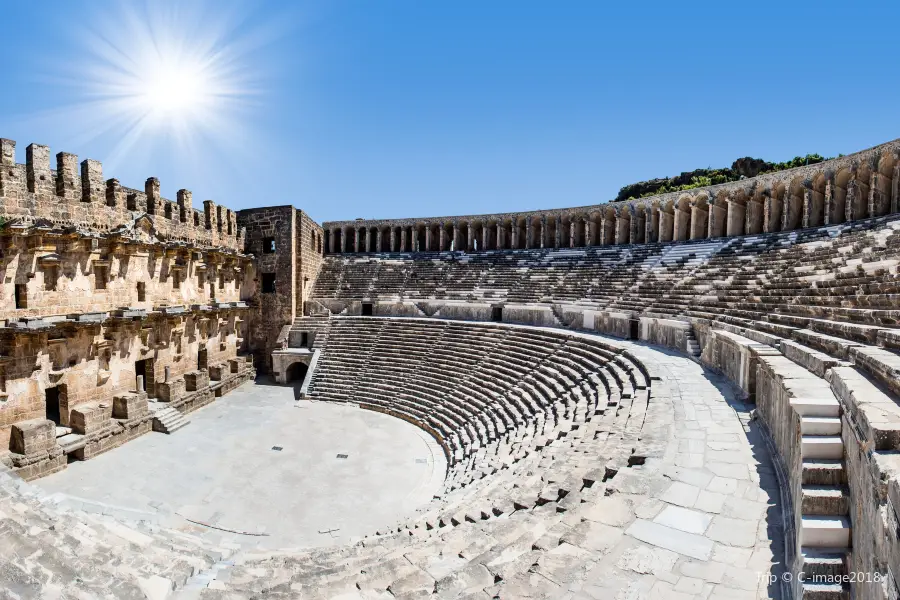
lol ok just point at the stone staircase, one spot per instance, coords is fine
(167, 419)
(825, 501)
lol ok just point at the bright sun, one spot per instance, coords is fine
(174, 88)
(172, 71)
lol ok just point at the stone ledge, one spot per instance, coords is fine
(875, 414)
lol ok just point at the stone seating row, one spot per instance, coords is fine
(514, 511)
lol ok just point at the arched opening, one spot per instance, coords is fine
(296, 373)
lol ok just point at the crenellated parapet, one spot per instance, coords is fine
(77, 196)
(857, 186)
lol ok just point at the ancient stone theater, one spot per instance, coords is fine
(687, 395)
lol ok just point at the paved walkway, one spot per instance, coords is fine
(708, 524)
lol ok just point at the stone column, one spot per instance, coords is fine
(829, 199)
(852, 193)
(403, 239)
(378, 240)
(666, 226)
(573, 233)
(543, 231)
(343, 241)
(356, 239)
(514, 241)
(442, 238)
(428, 237)
(698, 223)
(734, 220)
(470, 235)
(588, 233)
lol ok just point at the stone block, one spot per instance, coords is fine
(31, 437)
(196, 380)
(218, 372)
(169, 391)
(130, 406)
(234, 365)
(90, 418)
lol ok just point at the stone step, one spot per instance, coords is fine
(820, 425)
(168, 420)
(825, 500)
(832, 532)
(823, 562)
(823, 472)
(826, 591)
(816, 407)
(821, 446)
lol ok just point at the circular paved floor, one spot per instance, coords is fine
(222, 470)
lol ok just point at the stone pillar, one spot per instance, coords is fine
(343, 241)
(185, 200)
(37, 170)
(871, 208)
(514, 235)
(681, 224)
(403, 239)
(378, 240)
(442, 238)
(588, 232)
(652, 226)
(829, 199)
(356, 239)
(557, 235)
(331, 241)
(470, 235)
(500, 241)
(428, 237)
(485, 237)
(393, 239)
(7, 164)
(67, 180)
(543, 232)
(666, 226)
(698, 223)
(92, 186)
(852, 193)
(573, 233)
(455, 240)
(151, 188)
(734, 219)
(807, 208)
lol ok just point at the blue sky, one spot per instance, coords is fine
(399, 108)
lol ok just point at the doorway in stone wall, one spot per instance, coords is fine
(51, 402)
(140, 375)
(144, 368)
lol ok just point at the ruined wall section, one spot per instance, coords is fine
(272, 238)
(310, 246)
(77, 196)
